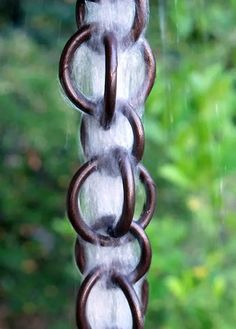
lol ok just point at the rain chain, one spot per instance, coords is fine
(109, 236)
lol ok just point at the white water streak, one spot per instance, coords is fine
(103, 193)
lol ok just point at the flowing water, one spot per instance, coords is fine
(102, 193)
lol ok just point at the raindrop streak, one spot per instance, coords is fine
(162, 20)
(176, 20)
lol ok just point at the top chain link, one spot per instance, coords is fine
(83, 35)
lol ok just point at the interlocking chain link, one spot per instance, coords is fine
(108, 231)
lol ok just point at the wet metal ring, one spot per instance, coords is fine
(123, 225)
(111, 58)
(150, 203)
(137, 128)
(73, 208)
(82, 297)
(89, 234)
(140, 19)
(138, 131)
(120, 281)
(150, 75)
(145, 256)
(132, 298)
(75, 96)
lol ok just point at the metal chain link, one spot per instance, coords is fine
(125, 229)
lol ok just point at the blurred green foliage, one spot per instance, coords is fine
(190, 132)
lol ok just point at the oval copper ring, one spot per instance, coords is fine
(137, 315)
(145, 257)
(149, 79)
(140, 19)
(82, 297)
(123, 225)
(146, 254)
(137, 128)
(150, 203)
(74, 211)
(119, 280)
(75, 96)
(138, 131)
(111, 58)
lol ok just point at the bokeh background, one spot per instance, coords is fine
(190, 150)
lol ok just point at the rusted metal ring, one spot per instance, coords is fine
(89, 234)
(150, 74)
(132, 298)
(119, 280)
(145, 256)
(73, 209)
(136, 125)
(140, 20)
(75, 96)
(138, 131)
(126, 169)
(150, 203)
(82, 297)
(111, 58)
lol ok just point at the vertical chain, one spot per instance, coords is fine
(109, 231)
